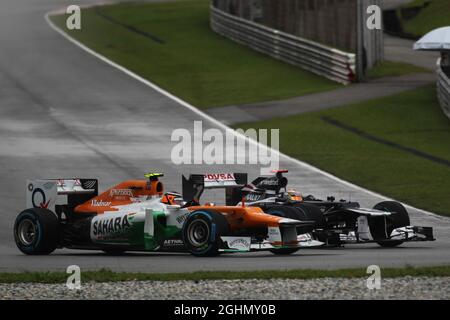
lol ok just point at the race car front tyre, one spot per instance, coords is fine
(202, 231)
(284, 251)
(37, 231)
(399, 218)
(285, 212)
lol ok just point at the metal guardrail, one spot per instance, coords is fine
(334, 64)
(443, 89)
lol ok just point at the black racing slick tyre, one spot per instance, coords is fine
(202, 231)
(399, 218)
(37, 231)
(285, 212)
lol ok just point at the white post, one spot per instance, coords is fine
(445, 58)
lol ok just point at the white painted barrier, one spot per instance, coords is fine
(443, 89)
(329, 62)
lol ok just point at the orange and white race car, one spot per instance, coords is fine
(137, 215)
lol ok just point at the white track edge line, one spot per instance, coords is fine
(217, 122)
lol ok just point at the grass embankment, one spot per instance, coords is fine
(393, 69)
(110, 276)
(436, 14)
(411, 120)
(191, 61)
(172, 45)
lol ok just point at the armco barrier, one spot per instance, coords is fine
(312, 56)
(443, 89)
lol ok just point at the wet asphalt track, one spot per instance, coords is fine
(65, 113)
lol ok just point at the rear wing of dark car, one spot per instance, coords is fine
(233, 183)
(265, 186)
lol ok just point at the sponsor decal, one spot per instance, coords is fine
(88, 184)
(100, 203)
(110, 226)
(274, 234)
(182, 218)
(43, 203)
(219, 176)
(71, 183)
(269, 182)
(173, 243)
(239, 242)
(273, 231)
(253, 197)
(121, 193)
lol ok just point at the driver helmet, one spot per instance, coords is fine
(294, 195)
(172, 198)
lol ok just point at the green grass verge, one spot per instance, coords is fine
(194, 63)
(412, 119)
(435, 15)
(393, 69)
(105, 275)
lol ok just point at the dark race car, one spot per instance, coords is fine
(336, 222)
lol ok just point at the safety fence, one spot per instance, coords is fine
(443, 89)
(326, 61)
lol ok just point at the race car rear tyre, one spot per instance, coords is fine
(202, 231)
(399, 218)
(37, 231)
(285, 212)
